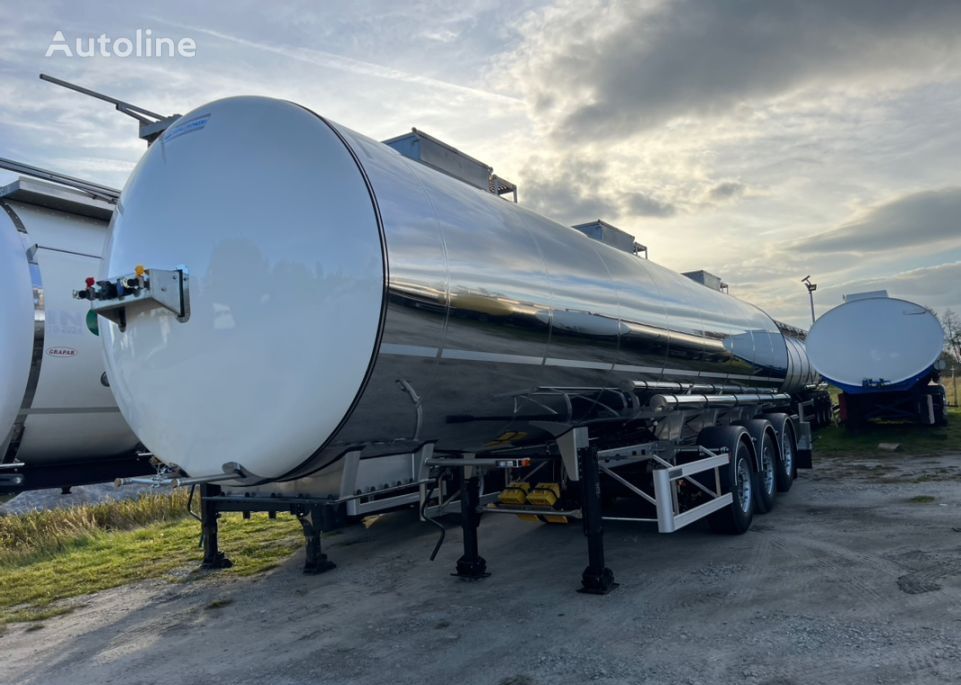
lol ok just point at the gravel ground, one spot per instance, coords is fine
(855, 577)
(34, 500)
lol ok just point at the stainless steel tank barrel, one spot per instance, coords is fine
(344, 297)
(57, 415)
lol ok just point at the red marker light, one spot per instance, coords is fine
(90, 280)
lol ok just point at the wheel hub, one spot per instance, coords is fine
(788, 457)
(767, 468)
(743, 484)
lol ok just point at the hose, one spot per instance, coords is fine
(190, 499)
(423, 514)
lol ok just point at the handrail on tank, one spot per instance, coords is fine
(151, 123)
(107, 193)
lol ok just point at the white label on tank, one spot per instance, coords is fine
(185, 127)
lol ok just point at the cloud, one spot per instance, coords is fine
(576, 188)
(935, 287)
(734, 136)
(727, 190)
(322, 58)
(642, 204)
(609, 71)
(567, 190)
(909, 245)
(912, 220)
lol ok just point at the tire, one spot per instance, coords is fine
(787, 444)
(939, 400)
(828, 414)
(766, 464)
(737, 477)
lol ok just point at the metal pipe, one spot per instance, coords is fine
(121, 106)
(627, 484)
(667, 402)
(471, 564)
(175, 482)
(403, 486)
(811, 288)
(596, 578)
(103, 192)
(569, 513)
(663, 493)
(701, 388)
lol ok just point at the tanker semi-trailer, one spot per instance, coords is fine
(882, 353)
(298, 317)
(59, 424)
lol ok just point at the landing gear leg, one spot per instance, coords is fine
(471, 565)
(316, 562)
(213, 557)
(597, 579)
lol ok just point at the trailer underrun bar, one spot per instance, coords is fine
(472, 484)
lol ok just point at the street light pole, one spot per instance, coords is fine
(811, 288)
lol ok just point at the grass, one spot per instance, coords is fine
(42, 533)
(49, 557)
(952, 388)
(914, 440)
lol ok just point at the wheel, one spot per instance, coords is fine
(939, 400)
(766, 464)
(737, 477)
(853, 411)
(815, 416)
(786, 470)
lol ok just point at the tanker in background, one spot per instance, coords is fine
(812, 401)
(882, 352)
(298, 317)
(59, 423)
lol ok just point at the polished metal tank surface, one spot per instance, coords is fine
(425, 310)
(267, 210)
(55, 409)
(16, 323)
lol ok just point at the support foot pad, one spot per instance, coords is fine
(218, 562)
(471, 570)
(315, 568)
(597, 583)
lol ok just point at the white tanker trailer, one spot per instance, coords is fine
(59, 424)
(301, 318)
(882, 353)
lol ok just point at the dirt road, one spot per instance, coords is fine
(854, 578)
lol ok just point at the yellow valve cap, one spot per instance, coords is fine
(554, 488)
(515, 493)
(544, 494)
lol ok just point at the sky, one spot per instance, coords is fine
(762, 141)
